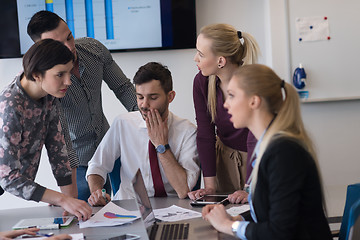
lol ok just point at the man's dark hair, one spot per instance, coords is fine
(44, 55)
(42, 21)
(154, 71)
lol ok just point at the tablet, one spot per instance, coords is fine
(125, 237)
(44, 223)
(210, 199)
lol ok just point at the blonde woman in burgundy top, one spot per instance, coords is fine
(224, 152)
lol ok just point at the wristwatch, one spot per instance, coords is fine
(234, 227)
(162, 148)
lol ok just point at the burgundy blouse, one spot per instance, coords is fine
(240, 139)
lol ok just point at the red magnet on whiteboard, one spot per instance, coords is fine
(328, 38)
(325, 18)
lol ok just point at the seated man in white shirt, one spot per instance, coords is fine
(128, 138)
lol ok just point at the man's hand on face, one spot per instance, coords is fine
(157, 128)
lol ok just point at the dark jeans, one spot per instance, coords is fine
(82, 184)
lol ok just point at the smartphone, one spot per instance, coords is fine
(210, 199)
(125, 237)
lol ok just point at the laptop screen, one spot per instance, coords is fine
(142, 199)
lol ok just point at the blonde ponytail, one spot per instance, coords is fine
(251, 49)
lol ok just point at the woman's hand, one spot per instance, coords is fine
(239, 196)
(79, 208)
(218, 217)
(201, 192)
(15, 233)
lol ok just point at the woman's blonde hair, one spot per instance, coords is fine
(226, 42)
(281, 100)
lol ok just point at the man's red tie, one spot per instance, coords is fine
(155, 172)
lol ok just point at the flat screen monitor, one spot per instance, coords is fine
(121, 25)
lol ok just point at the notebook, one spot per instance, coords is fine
(154, 229)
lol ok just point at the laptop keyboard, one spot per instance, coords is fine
(175, 231)
(153, 232)
(171, 231)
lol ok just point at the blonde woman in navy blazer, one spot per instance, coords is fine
(286, 197)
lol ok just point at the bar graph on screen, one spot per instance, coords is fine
(116, 23)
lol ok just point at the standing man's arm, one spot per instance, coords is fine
(158, 134)
(71, 190)
(72, 156)
(118, 82)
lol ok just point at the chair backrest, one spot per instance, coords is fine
(115, 176)
(354, 222)
(352, 196)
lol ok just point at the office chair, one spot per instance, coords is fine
(115, 176)
(352, 197)
(198, 184)
(353, 229)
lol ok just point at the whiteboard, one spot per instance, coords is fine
(332, 66)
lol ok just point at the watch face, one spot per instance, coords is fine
(160, 149)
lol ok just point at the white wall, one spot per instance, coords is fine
(333, 125)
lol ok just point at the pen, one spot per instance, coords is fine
(103, 191)
(46, 227)
(114, 215)
(224, 200)
(45, 234)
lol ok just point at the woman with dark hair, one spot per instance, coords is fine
(29, 120)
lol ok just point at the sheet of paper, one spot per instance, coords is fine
(76, 236)
(110, 215)
(312, 28)
(175, 213)
(234, 211)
